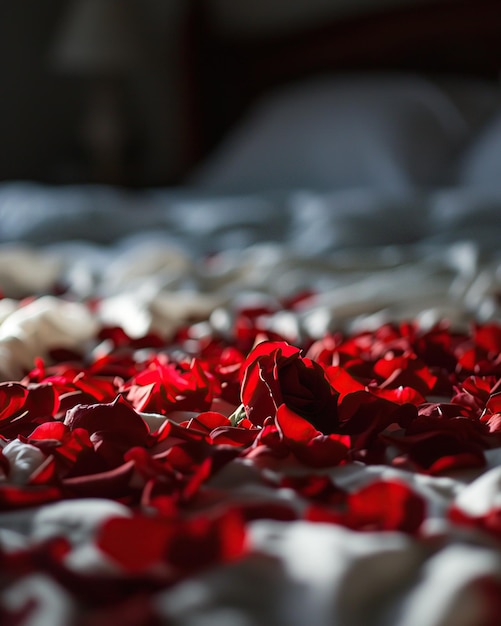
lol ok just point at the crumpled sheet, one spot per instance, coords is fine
(295, 572)
(148, 286)
(150, 263)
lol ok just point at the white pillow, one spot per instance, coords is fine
(385, 132)
(481, 162)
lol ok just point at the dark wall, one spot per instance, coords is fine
(37, 109)
(41, 109)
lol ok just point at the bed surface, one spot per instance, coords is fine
(128, 317)
(270, 396)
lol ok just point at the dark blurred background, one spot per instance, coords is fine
(47, 100)
(97, 89)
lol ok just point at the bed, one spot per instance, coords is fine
(269, 395)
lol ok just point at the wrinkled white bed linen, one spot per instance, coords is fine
(203, 222)
(298, 572)
(370, 256)
(155, 259)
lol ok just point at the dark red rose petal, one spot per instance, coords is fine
(117, 418)
(381, 506)
(308, 444)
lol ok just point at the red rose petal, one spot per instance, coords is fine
(382, 506)
(134, 543)
(117, 418)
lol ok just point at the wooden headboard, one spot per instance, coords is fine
(228, 72)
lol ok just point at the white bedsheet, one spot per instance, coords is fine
(153, 261)
(429, 255)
